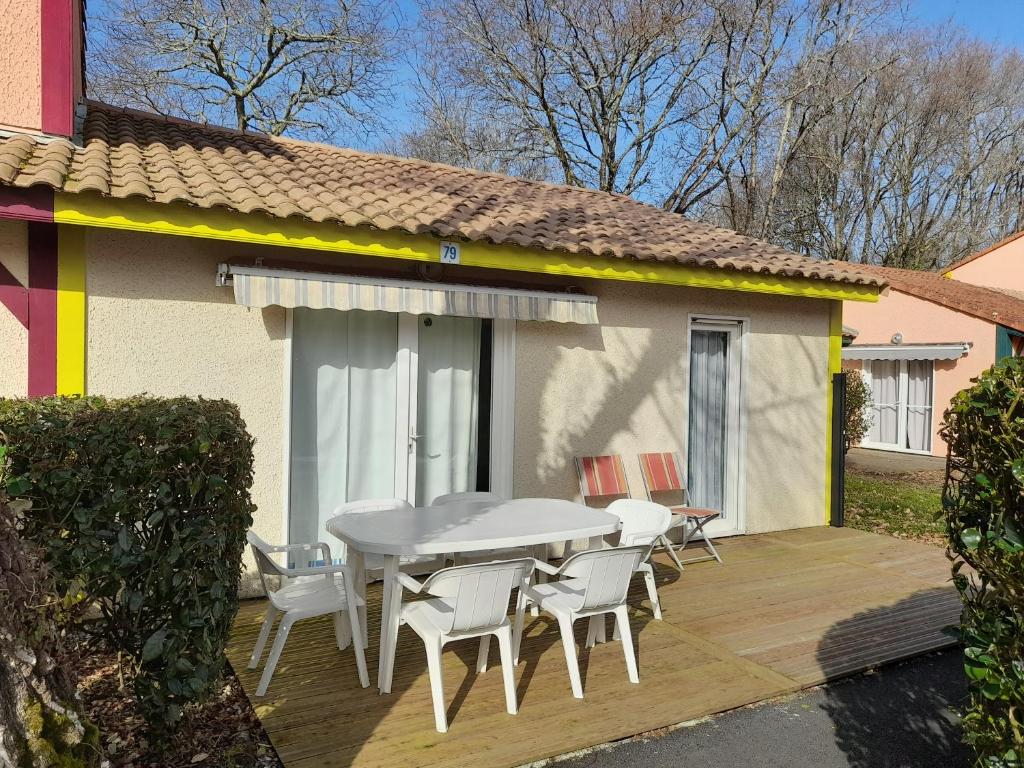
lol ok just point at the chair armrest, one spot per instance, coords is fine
(319, 570)
(540, 565)
(408, 582)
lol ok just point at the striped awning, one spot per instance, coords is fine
(260, 287)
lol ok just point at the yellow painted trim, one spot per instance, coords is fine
(71, 311)
(221, 224)
(835, 365)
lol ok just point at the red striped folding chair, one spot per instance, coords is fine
(602, 476)
(605, 477)
(663, 474)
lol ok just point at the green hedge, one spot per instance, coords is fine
(141, 506)
(984, 504)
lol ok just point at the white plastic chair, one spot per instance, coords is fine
(373, 564)
(304, 600)
(592, 584)
(468, 601)
(486, 555)
(643, 523)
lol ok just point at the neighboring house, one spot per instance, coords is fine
(927, 338)
(476, 331)
(1000, 266)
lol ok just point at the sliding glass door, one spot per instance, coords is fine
(714, 423)
(901, 407)
(384, 405)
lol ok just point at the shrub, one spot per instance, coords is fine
(141, 506)
(984, 504)
(41, 721)
(858, 403)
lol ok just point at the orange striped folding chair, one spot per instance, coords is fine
(663, 474)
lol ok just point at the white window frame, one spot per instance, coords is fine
(903, 391)
(736, 470)
(503, 389)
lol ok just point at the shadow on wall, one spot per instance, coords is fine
(908, 714)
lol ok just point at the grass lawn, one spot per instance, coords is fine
(900, 505)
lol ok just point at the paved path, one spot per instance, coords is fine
(900, 717)
(892, 462)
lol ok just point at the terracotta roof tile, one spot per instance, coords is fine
(990, 304)
(125, 153)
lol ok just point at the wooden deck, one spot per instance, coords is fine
(786, 611)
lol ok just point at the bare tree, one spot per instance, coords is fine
(278, 66)
(917, 168)
(453, 129)
(596, 83)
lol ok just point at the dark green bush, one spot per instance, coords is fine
(141, 507)
(984, 504)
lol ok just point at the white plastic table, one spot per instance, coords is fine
(458, 527)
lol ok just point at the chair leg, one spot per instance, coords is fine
(671, 549)
(569, 646)
(342, 630)
(591, 631)
(508, 669)
(261, 641)
(517, 627)
(622, 622)
(356, 633)
(652, 590)
(275, 655)
(711, 545)
(481, 656)
(437, 684)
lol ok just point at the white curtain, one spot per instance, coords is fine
(447, 406)
(344, 380)
(885, 387)
(709, 372)
(919, 405)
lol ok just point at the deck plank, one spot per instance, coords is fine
(787, 610)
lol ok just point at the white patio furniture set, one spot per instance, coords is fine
(492, 543)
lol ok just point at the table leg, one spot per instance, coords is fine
(388, 624)
(355, 560)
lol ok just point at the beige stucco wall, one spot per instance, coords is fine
(13, 335)
(1002, 267)
(20, 76)
(924, 322)
(621, 388)
(158, 324)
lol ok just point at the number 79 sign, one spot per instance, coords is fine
(450, 253)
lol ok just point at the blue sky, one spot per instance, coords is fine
(998, 21)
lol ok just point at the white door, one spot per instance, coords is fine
(902, 404)
(714, 424)
(384, 405)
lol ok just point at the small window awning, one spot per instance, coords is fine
(262, 287)
(949, 351)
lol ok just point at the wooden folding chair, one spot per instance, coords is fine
(663, 474)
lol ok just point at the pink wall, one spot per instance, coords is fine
(20, 65)
(41, 78)
(1002, 267)
(923, 322)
